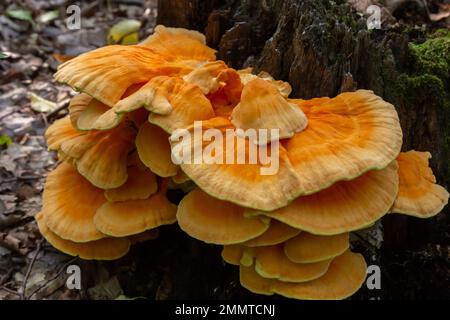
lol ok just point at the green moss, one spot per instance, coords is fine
(428, 83)
(433, 56)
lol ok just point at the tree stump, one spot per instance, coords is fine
(321, 48)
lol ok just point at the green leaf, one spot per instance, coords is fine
(20, 14)
(125, 32)
(3, 55)
(40, 104)
(5, 141)
(48, 16)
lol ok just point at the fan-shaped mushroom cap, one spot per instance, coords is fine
(140, 185)
(102, 249)
(233, 253)
(215, 221)
(181, 43)
(100, 156)
(153, 147)
(180, 177)
(188, 102)
(231, 181)
(418, 193)
(272, 263)
(263, 107)
(106, 73)
(345, 206)
(346, 136)
(278, 232)
(344, 277)
(70, 203)
(120, 219)
(309, 248)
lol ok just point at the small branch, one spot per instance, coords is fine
(64, 267)
(63, 105)
(10, 291)
(21, 178)
(30, 267)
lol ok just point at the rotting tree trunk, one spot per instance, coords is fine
(321, 49)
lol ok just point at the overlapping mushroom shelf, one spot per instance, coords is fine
(340, 168)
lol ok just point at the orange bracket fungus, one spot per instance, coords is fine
(278, 182)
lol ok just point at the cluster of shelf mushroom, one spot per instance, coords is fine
(341, 167)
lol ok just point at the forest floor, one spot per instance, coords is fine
(30, 100)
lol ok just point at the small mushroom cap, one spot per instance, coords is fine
(309, 248)
(246, 76)
(102, 249)
(77, 105)
(97, 116)
(100, 156)
(232, 181)
(140, 185)
(272, 263)
(180, 177)
(70, 203)
(206, 76)
(346, 136)
(188, 102)
(215, 221)
(60, 131)
(263, 107)
(180, 43)
(345, 206)
(233, 253)
(106, 73)
(151, 96)
(278, 232)
(418, 193)
(344, 277)
(153, 147)
(104, 163)
(120, 219)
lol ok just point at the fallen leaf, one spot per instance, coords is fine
(5, 141)
(125, 32)
(40, 104)
(48, 16)
(20, 14)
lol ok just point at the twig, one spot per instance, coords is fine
(30, 267)
(64, 267)
(10, 291)
(6, 276)
(64, 105)
(7, 114)
(21, 178)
